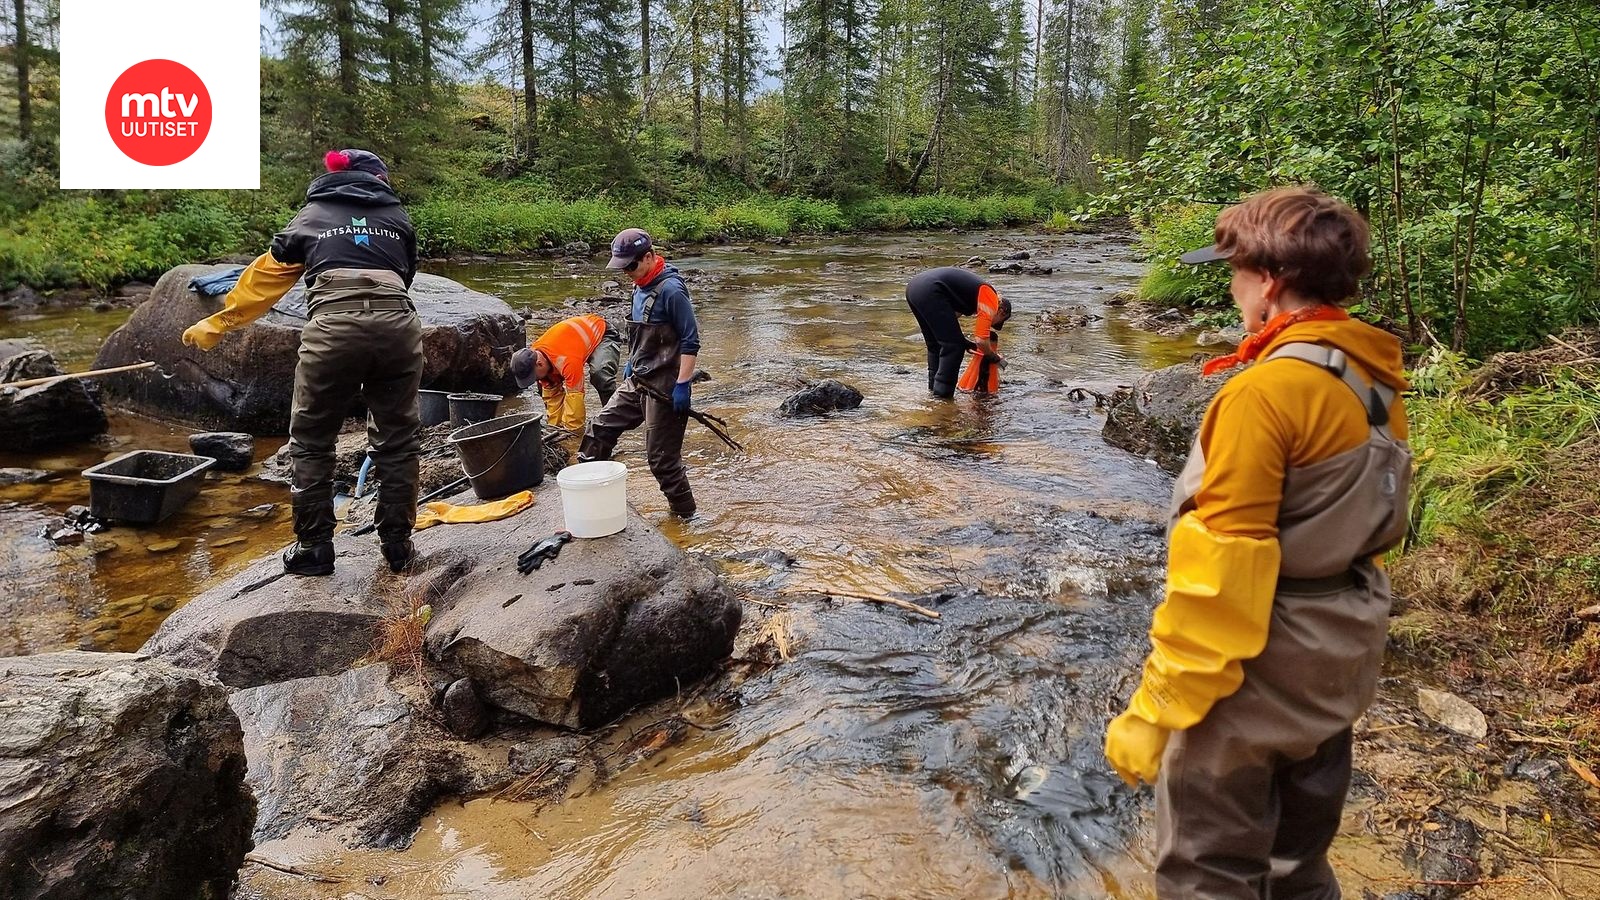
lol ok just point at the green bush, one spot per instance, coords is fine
(1175, 230)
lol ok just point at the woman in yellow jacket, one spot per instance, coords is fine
(1267, 646)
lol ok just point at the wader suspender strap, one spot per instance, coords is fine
(653, 294)
(1376, 397)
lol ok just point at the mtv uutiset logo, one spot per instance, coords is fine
(147, 103)
(158, 112)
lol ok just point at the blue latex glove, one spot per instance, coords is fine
(680, 397)
(627, 370)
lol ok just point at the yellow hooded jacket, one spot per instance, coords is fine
(1223, 557)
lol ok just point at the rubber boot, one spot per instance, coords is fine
(312, 551)
(395, 522)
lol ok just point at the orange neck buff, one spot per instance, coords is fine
(1253, 344)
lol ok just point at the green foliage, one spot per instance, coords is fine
(85, 240)
(1175, 231)
(1472, 453)
(1467, 132)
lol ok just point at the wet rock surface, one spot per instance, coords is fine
(234, 451)
(350, 750)
(119, 776)
(1158, 416)
(820, 399)
(611, 623)
(48, 415)
(1065, 318)
(245, 383)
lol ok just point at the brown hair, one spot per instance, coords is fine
(1315, 244)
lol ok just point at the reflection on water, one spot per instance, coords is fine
(894, 756)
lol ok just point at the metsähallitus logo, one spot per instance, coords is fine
(158, 112)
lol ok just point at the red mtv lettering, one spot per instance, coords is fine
(158, 112)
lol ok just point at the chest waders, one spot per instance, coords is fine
(363, 338)
(653, 349)
(1251, 796)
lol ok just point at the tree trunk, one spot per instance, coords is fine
(530, 80)
(391, 43)
(696, 64)
(344, 21)
(1065, 126)
(742, 67)
(938, 112)
(644, 47)
(726, 61)
(425, 23)
(572, 53)
(22, 55)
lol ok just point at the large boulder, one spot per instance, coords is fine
(48, 415)
(351, 749)
(609, 624)
(612, 623)
(119, 777)
(1159, 415)
(234, 451)
(245, 383)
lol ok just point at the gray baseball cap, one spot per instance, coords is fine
(628, 246)
(1203, 255)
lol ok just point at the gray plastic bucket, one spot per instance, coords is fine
(501, 456)
(468, 409)
(145, 486)
(434, 407)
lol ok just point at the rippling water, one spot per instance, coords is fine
(894, 755)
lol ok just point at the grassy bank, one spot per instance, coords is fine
(99, 241)
(1506, 514)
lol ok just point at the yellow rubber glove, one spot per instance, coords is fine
(262, 284)
(203, 334)
(1217, 613)
(564, 409)
(1134, 748)
(442, 513)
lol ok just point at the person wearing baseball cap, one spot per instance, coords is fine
(556, 360)
(663, 344)
(1269, 640)
(355, 247)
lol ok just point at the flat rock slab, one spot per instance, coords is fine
(246, 382)
(234, 451)
(350, 750)
(120, 776)
(612, 623)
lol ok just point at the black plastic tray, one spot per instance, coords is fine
(145, 486)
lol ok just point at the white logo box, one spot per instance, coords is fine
(220, 40)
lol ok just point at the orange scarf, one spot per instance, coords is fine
(647, 277)
(1253, 344)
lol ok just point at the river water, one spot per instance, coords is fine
(893, 755)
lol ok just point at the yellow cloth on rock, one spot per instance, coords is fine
(442, 513)
(260, 285)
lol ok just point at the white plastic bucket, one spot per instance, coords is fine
(594, 498)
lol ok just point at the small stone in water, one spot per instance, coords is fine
(229, 542)
(162, 604)
(261, 512)
(65, 536)
(162, 546)
(127, 606)
(1027, 781)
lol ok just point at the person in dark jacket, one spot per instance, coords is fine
(357, 250)
(939, 298)
(663, 344)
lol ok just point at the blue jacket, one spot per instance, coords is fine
(672, 306)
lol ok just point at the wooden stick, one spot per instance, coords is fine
(93, 373)
(885, 599)
(290, 870)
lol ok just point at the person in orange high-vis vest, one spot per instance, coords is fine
(982, 374)
(1269, 641)
(556, 362)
